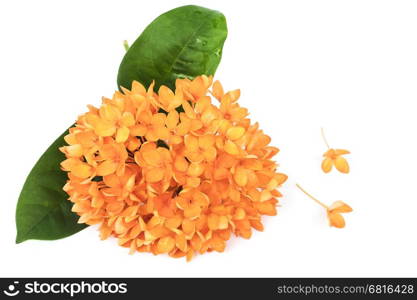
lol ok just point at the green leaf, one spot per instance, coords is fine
(43, 211)
(184, 42)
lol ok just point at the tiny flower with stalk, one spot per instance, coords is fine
(333, 211)
(333, 157)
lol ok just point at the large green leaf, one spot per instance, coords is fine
(184, 42)
(43, 211)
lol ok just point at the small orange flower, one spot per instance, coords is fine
(333, 211)
(114, 156)
(151, 126)
(200, 148)
(333, 157)
(171, 172)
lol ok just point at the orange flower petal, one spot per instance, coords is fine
(152, 157)
(138, 88)
(231, 148)
(188, 226)
(122, 134)
(217, 90)
(239, 214)
(213, 222)
(133, 144)
(181, 164)
(138, 130)
(327, 165)
(256, 224)
(195, 170)
(266, 208)
(340, 207)
(206, 141)
(107, 167)
(341, 152)
(155, 175)
(165, 95)
(70, 163)
(74, 150)
(196, 125)
(265, 195)
(191, 143)
(109, 112)
(210, 154)
(185, 125)
(234, 133)
(217, 244)
(192, 212)
(233, 95)
(196, 243)
(128, 119)
(101, 127)
(341, 164)
(202, 104)
(82, 170)
(240, 176)
(193, 182)
(336, 220)
(172, 119)
(166, 244)
(162, 133)
(190, 255)
(223, 222)
(135, 231)
(174, 222)
(208, 116)
(330, 153)
(189, 111)
(181, 242)
(158, 120)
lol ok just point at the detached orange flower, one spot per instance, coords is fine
(333, 157)
(167, 180)
(333, 211)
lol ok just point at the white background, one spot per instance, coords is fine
(347, 66)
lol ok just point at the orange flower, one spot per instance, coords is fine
(199, 148)
(114, 157)
(333, 211)
(333, 157)
(161, 181)
(151, 126)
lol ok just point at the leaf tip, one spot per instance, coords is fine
(20, 239)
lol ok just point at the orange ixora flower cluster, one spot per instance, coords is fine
(171, 172)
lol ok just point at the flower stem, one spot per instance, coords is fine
(312, 197)
(126, 45)
(324, 138)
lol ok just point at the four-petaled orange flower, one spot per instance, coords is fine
(333, 211)
(333, 157)
(171, 172)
